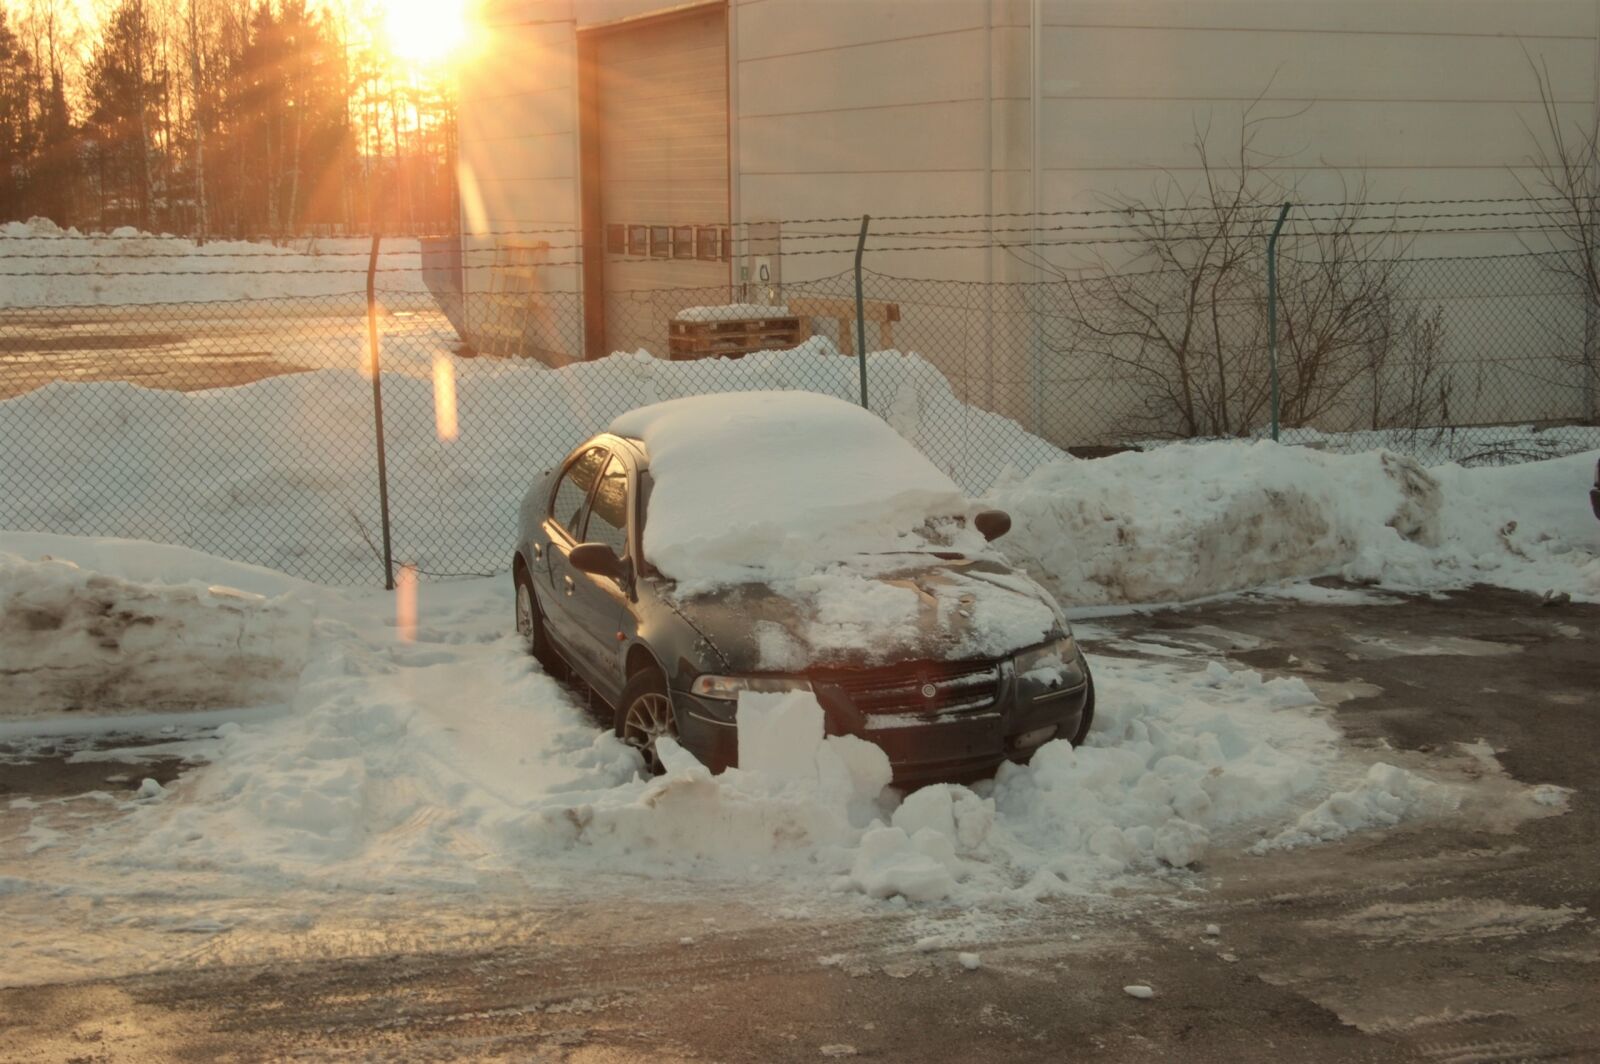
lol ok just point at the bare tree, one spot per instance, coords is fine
(1564, 190)
(1185, 317)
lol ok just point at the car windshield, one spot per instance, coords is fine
(757, 485)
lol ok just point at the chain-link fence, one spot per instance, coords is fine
(133, 420)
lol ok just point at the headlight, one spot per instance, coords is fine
(1054, 666)
(729, 687)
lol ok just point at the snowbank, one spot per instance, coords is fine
(44, 265)
(473, 764)
(451, 760)
(281, 473)
(1184, 522)
(76, 640)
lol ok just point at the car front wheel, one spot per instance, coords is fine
(644, 716)
(530, 626)
(1081, 733)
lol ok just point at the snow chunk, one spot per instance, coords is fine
(1140, 991)
(916, 867)
(970, 961)
(1384, 797)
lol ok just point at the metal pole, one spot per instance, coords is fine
(377, 407)
(1272, 312)
(861, 313)
(1591, 338)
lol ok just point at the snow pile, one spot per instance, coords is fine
(799, 800)
(450, 763)
(1183, 522)
(76, 640)
(44, 265)
(774, 483)
(1478, 445)
(453, 761)
(281, 472)
(1384, 797)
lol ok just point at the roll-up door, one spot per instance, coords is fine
(658, 169)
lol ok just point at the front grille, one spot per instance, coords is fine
(957, 687)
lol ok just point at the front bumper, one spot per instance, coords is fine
(972, 746)
(951, 747)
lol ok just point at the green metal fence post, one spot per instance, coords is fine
(377, 407)
(1272, 312)
(861, 314)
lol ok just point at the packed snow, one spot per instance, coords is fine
(76, 640)
(808, 507)
(45, 265)
(776, 483)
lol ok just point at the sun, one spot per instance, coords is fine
(424, 32)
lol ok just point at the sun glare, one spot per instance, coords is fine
(425, 31)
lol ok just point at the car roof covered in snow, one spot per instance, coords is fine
(746, 482)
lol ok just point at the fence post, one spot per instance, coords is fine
(1272, 312)
(377, 407)
(861, 313)
(1591, 344)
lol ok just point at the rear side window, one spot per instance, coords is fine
(567, 509)
(608, 517)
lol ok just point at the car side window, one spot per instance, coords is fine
(608, 517)
(567, 507)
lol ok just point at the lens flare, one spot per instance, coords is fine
(444, 398)
(424, 31)
(405, 604)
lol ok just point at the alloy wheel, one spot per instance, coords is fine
(525, 615)
(649, 718)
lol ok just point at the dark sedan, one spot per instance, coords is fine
(935, 684)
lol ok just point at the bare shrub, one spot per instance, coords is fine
(1185, 318)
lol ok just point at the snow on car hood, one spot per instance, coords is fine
(771, 485)
(873, 610)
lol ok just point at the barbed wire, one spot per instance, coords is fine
(1267, 209)
(870, 249)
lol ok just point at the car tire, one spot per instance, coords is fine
(1084, 722)
(645, 714)
(530, 624)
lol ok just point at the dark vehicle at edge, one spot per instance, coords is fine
(675, 666)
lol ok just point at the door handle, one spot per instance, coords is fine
(538, 552)
(568, 581)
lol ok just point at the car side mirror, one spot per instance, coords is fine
(992, 523)
(596, 558)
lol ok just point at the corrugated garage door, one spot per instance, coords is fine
(661, 127)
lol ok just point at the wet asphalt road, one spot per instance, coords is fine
(1472, 939)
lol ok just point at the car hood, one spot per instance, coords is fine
(875, 610)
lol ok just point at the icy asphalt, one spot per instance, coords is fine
(1461, 939)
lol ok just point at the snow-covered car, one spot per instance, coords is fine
(779, 541)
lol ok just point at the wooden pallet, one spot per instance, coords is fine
(843, 311)
(731, 337)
